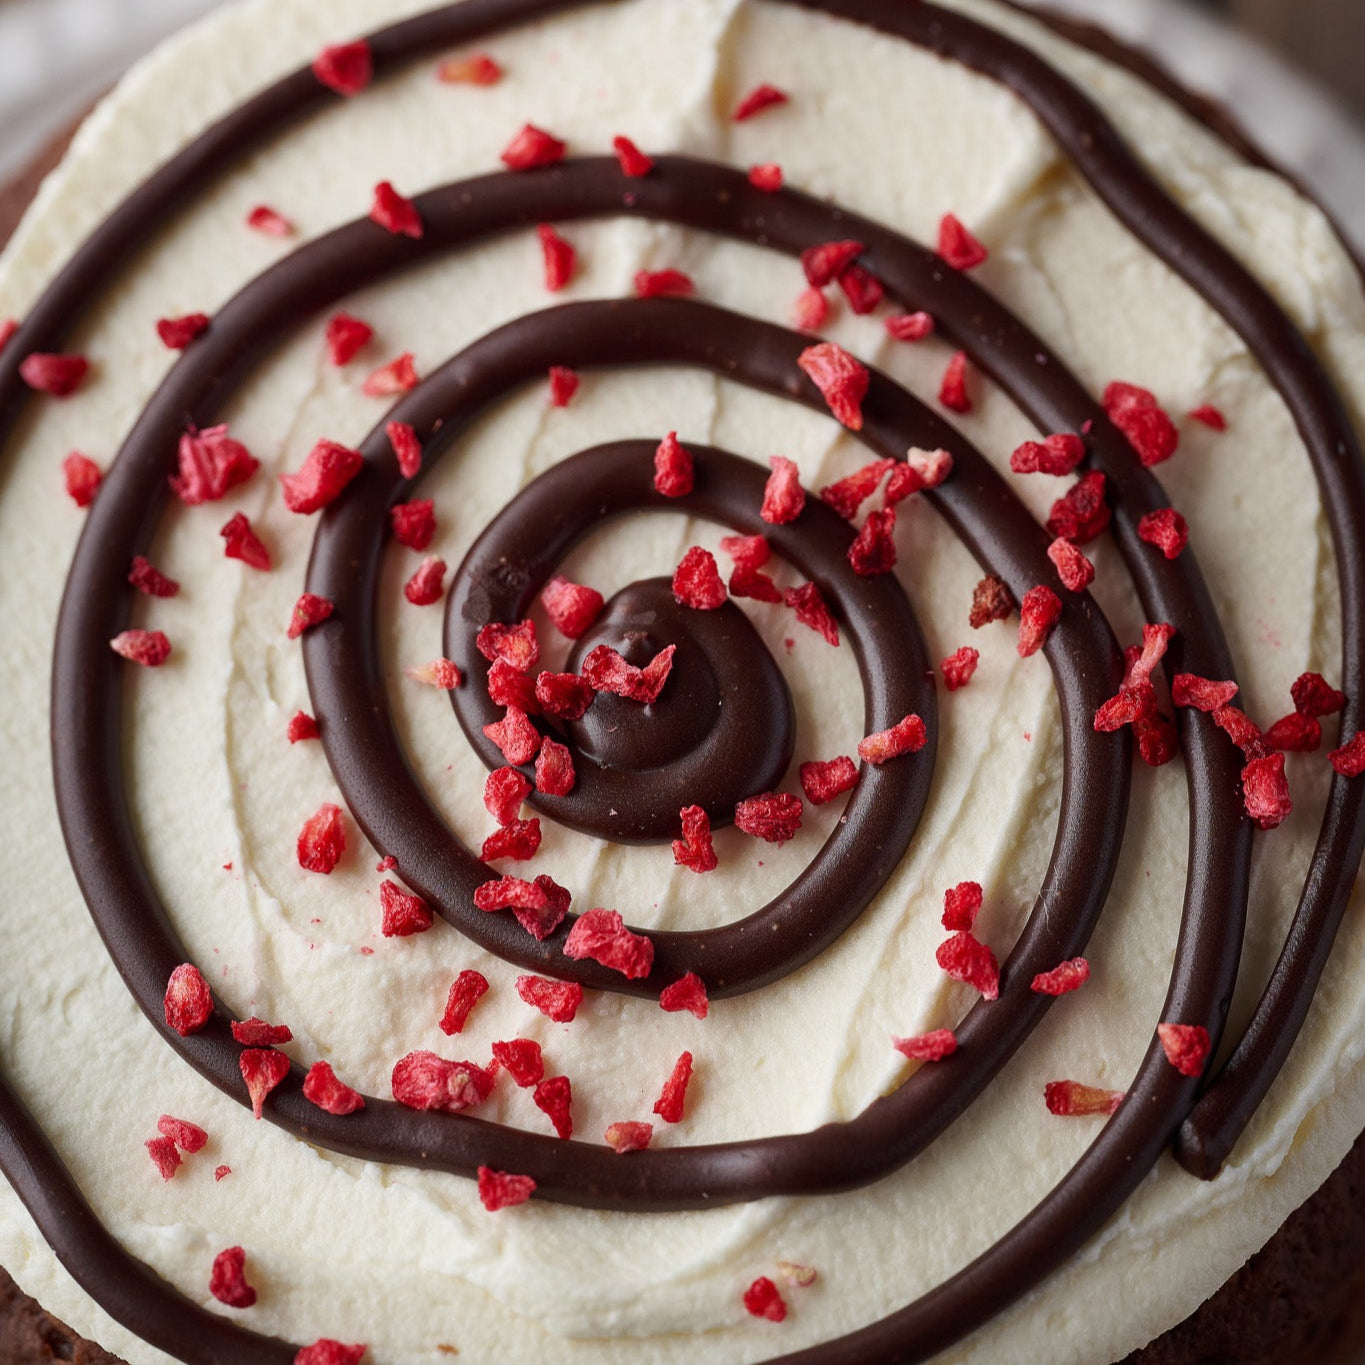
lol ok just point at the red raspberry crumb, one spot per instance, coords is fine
(825, 262)
(309, 611)
(219, 1172)
(903, 483)
(1314, 697)
(413, 523)
(522, 1060)
(346, 68)
(321, 1087)
(1266, 792)
(1295, 733)
(255, 1032)
(515, 643)
(862, 289)
(628, 1137)
(345, 336)
(243, 543)
(8, 327)
(1242, 731)
(403, 913)
(873, 551)
(188, 1004)
(633, 161)
(961, 905)
(1155, 640)
(150, 648)
(928, 1047)
(764, 1300)
(906, 736)
(557, 1000)
(673, 474)
(189, 1137)
(211, 463)
(1071, 1099)
(965, 958)
(514, 734)
(262, 1070)
(909, 326)
(554, 1098)
(571, 607)
(824, 781)
(177, 333)
(1040, 610)
(565, 696)
(386, 863)
(783, 496)
(539, 906)
(959, 667)
(394, 213)
(164, 1156)
(695, 849)
(761, 97)
(227, 1280)
(519, 841)
(602, 936)
(793, 1273)
(82, 477)
(268, 222)
(1069, 976)
(328, 468)
(957, 246)
(503, 792)
(810, 310)
(325, 1351)
(848, 494)
(397, 376)
(59, 375)
(663, 284)
(774, 817)
(754, 584)
(1058, 455)
(669, 1105)
(1189, 690)
(687, 993)
(1186, 1046)
(465, 992)
(842, 381)
(606, 671)
(151, 581)
(1149, 430)
(1073, 568)
(427, 582)
(560, 258)
(932, 467)
(507, 687)
(322, 840)
(952, 392)
(1210, 416)
(1166, 529)
(1349, 760)
(766, 177)
(697, 582)
(1081, 513)
(991, 601)
(480, 69)
(422, 1080)
(532, 148)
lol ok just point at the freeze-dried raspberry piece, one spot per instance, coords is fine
(255, 1032)
(602, 936)
(1071, 1099)
(664, 284)
(554, 1098)
(961, 905)
(557, 1000)
(792, 1272)
(766, 177)
(1040, 610)
(539, 906)
(58, 375)
(164, 1156)
(824, 781)
(606, 671)
(1210, 416)
(1265, 791)
(394, 213)
(761, 97)
(531, 149)
(571, 607)
(959, 667)
(211, 463)
(559, 256)
(825, 262)
(218, 1173)
(764, 1300)
(1132, 702)
(862, 289)
(633, 161)
(427, 582)
(516, 643)
(673, 473)
(227, 1279)
(479, 69)
(669, 1105)
(1142, 663)
(262, 1070)
(151, 581)
(188, 1003)
(309, 611)
(1069, 976)
(1241, 730)
(82, 477)
(1081, 513)
(243, 543)
(326, 1351)
(268, 222)
(697, 582)
(957, 246)
(1073, 568)
(565, 696)
(965, 958)
(952, 390)
(514, 734)
(189, 1137)
(403, 913)
(1149, 430)
(810, 310)
(774, 817)
(687, 993)
(508, 688)
(328, 468)
(748, 552)
(754, 584)
(933, 1046)
(842, 381)
(442, 673)
(907, 736)
(930, 467)
(1349, 760)
(321, 1087)
(399, 375)
(519, 841)
(628, 1137)
(694, 849)
(905, 481)
(522, 1060)
(468, 988)
(1186, 1046)
(346, 68)
(849, 494)
(1059, 454)
(422, 1080)
(1166, 529)
(873, 551)
(1314, 697)
(1295, 733)
(413, 523)
(150, 648)
(345, 336)
(991, 601)
(322, 840)
(563, 386)
(177, 333)
(783, 496)
(8, 327)
(909, 326)
(503, 792)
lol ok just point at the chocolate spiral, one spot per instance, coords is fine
(979, 506)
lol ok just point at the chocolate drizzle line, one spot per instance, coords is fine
(1209, 945)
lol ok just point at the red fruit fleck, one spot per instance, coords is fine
(633, 161)
(764, 1300)
(1070, 976)
(554, 1098)
(532, 148)
(322, 840)
(842, 381)
(1210, 416)
(150, 648)
(151, 581)
(394, 213)
(346, 68)
(539, 906)
(211, 463)
(268, 222)
(413, 523)
(1242, 731)
(514, 734)
(565, 696)
(322, 1088)
(822, 782)
(873, 551)
(345, 336)
(1073, 568)
(1266, 792)
(903, 483)
(1186, 1046)
(961, 905)
(759, 98)
(560, 258)
(82, 477)
(165, 1157)
(571, 607)
(310, 610)
(1313, 696)
(602, 936)
(959, 667)
(328, 468)
(403, 913)
(1189, 690)
(952, 391)
(227, 1279)
(766, 177)
(424, 1081)
(862, 289)
(697, 582)
(1081, 513)
(687, 993)
(189, 1137)
(255, 1032)
(1349, 760)
(663, 284)
(262, 1070)
(465, 992)
(442, 673)
(810, 310)
(519, 841)
(991, 601)
(59, 375)
(783, 496)
(397, 376)
(508, 688)
(927, 1047)
(965, 958)
(909, 326)
(669, 1105)
(1071, 1099)
(774, 817)
(628, 1137)
(1040, 610)
(1149, 430)
(1166, 529)
(848, 494)
(557, 1000)
(427, 582)
(515, 643)
(754, 584)
(188, 1003)
(480, 69)
(503, 792)
(243, 543)
(673, 473)
(695, 849)
(931, 467)
(177, 333)
(1058, 455)
(325, 1351)
(522, 1060)
(825, 262)
(907, 736)
(218, 1173)
(957, 246)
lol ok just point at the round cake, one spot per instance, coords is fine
(682, 680)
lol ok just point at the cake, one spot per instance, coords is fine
(911, 1123)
